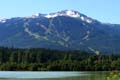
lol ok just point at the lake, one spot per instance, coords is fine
(16, 75)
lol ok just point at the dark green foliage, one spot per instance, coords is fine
(52, 60)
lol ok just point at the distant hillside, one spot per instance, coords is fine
(64, 30)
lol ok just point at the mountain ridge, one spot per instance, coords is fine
(64, 30)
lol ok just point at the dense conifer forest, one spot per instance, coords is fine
(38, 59)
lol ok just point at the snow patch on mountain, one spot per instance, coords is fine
(72, 13)
(2, 20)
(36, 15)
(69, 13)
(88, 20)
(51, 16)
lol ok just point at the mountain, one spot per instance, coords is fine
(64, 30)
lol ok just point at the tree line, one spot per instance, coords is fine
(39, 59)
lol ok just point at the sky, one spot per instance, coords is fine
(103, 10)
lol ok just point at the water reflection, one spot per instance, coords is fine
(113, 75)
(91, 76)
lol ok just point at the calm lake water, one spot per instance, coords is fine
(53, 75)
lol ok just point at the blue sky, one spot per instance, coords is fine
(102, 10)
